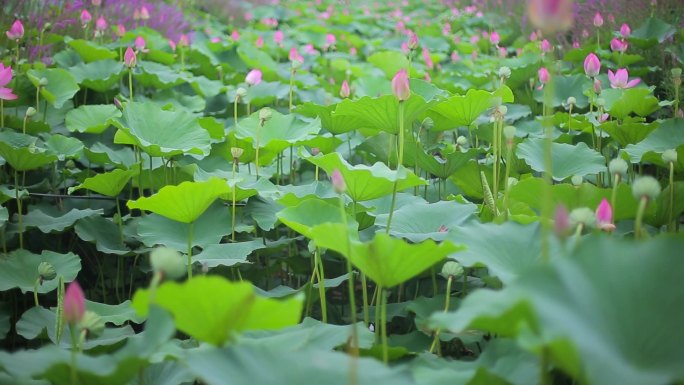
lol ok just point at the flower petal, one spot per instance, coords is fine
(6, 94)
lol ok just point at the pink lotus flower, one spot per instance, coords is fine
(494, 38)
(5, 78)
(455, 57)
(172, 44)
(603, 118)
(140, 44)
(561, 223)
(620, 79)
(16, 31)
(503, 52)
(74, 304)
(405, 48)
(144, 13)
(310, 50)
(120, 30)
(130, 58)
(353, 51)
(400, 85)
(625, 31)
(533, 36)
(330, 41)
(546, 46)
(412, 41)
(183, 40)
(575, 44)
(235, 35)
(338, 182)
(604, 216)
(592, 65)
(619, 45)
(294, 56)
(278, 37)
(259, 42)
(101, 24)
(253, 77)
(344, 90)
(85, 17)
(598, 20)
(544, 77)
(428, 60)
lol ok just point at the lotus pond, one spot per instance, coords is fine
(407, 192)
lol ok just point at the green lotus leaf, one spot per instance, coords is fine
(163, 133)
(442, 166)
(197, 313)
(61, 86)
(461, 110)
(91, 119)
(629, 131)
(227, 254)
(64, 146)
(565, 86)
(278, 133)
(91, 51)
(20, 269)
(382, 113)
(103, 232)
(99, 76)
(5, 315)
(312, 213)
(390, 62)
(568, 160)
(336, 124)
(652, 32)
(255, 58)
(48, 218)
(669, 135)
(620, 103)
(159, 76)
(366, 182)
(21, 152)
(184, 202)
(108, 183)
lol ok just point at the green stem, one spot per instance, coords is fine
(364, 290)
(35, 291)
(2, 113)
(190, 228)
(321, 285)
(130, 84)
(292, 74)
(495, 150)
(670, 223)
(640, 216)
(509, 152)
(400, 163)
(547, 211)
(435, 341)
(350, 281)
(235, 108)
(613, 194)
(232, 225)
(74, 354)
(20, 214)
(383, 323)
(256, 156)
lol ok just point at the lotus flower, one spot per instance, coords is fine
(550, 15)
(592, 65)
(235, 35)
(546, 46)
(338, 181)
(413, 40)
(259, 42)
(294, 55)
(619, 45)
(85, 17)
(120, 30)
(130, 58)
(253, 77)
(344, 90)
(428, 60)
(74, 303)
(144, 13)
(597, 85)
(5, 78)
(101, 24)
(620, 79)
(544, 77)
(598, 20)
(278, 37)
(183, 40)
(604, 216)
(494, 38)
(16, 31)
(330, 40)
(400, 85)
(625, 31)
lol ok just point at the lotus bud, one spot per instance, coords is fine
(16, 31)
(241, 92)
(253, 77)
(167, 261)
(452, 269)
(576, 180)
(618, 166)
(604, 216)
(338, 182)
(509, 132)
(428, 123)
(130, 58)
(92, 324)
(344, 90)
(597, 86)
(74, 304)
(265, 114)
(461, 141)
(598, 20)
(646, 186)
(413, 41)
(670, 156)
(46, 272)
(400, 85)
(561, 222)
(30, 112)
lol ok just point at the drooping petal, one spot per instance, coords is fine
(6, 94)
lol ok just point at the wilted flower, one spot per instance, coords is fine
(620, 79)
(16, 31)
(592, 65)
(253, 77)
(400, 85)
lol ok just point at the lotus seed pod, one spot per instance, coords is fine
(428, 123)
(461, 140)
(504, 72)
(509, 132)
(670, 156)
(452, 269)
(296, 64)
(265, 114)
(512, 181)
(46, 272)
(676, 72)
(168, 261)
(576, 180)
(601, 102)
(30, 111)
(572, 101)
(503, 110)
(241, 92)
(236, 152)
(646, 186)
(43, 82)
(582, 215)
(618, 166)
(92, 323)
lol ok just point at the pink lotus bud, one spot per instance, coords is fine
(120, 30)
(474, 39)
(85, 17)
(144, 13)
(74, 304)
(140, 44)
(101, 24)
(592, 65)
(172, 44)
(413, 40)
(544, 75)
(353, 51)
(598, 20)
(309, 49)
(294, 56)
(183, 40)
(597, 85)
(405, 48)
(611, 18)
(604, 216)
(455, 57)
(338, 182)
(428, 60)
(278, 37)
(561, 223)
(136, 14)
(315, 151)
(235, 35)
(130, 58)
(546, 46)
(503, 52)
(533, 36)
(259, 42)
(575, 44)
(619, 45)
(625, 31)
(585, 33)
(620, 79)
(494, 38)
(249, 16)
(16, 31)
(344, 90)
(330, 40)
(603, 118)
(253, 77)
(400, 85)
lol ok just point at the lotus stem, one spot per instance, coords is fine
(547, 208)
(190, 229)
(400, 163)
(383, 322)
(350, 283)
(74, 354)
(35, 291)
(291, 93)
(130, 84)
(2, 113)
(670, 223)
(613, 194)
(507, 188)
(640, 216)
(20, 213)
(435, 341)
(232, 225)
(321, 284)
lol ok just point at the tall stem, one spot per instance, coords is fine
(670, 223)
(435, 341)
(350, 281)
(190, 229)
(399, 164)
(383, 322)
(613, 194)
(640, 216)
(232, 225)
(321, 284)
(20, 213)
(2, 113)
(130, 84)
(35, 292)
(292, 74)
